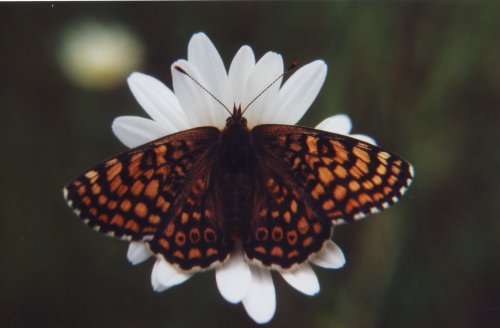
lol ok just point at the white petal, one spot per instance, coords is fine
(266, 70)
(260, 302)
(204, 56)
(158, 101)
(364, 138)
(299, 92)
(239, 71)
(138, 252)
(165, 276)
(198, 105)
(234, 277)
(330, 257)
(134, 131)
(337, 124)
(302, 279)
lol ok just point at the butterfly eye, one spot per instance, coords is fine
(229, 119)
(244, 121)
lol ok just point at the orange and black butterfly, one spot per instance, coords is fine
(276, 189)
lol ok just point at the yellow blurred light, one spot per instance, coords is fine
(99, 55)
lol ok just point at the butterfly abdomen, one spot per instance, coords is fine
(235, 176)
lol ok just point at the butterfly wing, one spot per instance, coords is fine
(284, 230)
(155, 193)
(328, 178)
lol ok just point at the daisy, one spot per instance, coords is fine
(188, 106)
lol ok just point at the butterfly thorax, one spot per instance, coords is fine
(236, 173)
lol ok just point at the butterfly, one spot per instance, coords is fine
(276, 190)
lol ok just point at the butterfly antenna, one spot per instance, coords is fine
(179, 69)
(292, 67)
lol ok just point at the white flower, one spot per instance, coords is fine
(189, 107)
(98, 55)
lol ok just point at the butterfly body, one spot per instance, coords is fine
(234, 176)
(275, 189)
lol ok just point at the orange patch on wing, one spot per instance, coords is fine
(339, 192)
(114, 171)
(377, 180)
(355, 172)
(117, 181)
(328, 205)
(312, 144)
(341, 154)
(287, 216)
(277, 251)
(117, 220)
(377, 196)
(295, 146)
(125, 205)
(141, 210)
(121, 190)
(307, 242)
(260, 250)
(194, 253)
(132, 225)
(367, 184)
(81, 190)
(340, 171)
(293, 206)
(164, 243)
(364, 199)
(317, 191)
(96, 189)
(112, 204)
(325, 175)
(154, 219)
(169, 230)
(381, 169)
(152, 188)
(104, 218)
(303, 225)
(353, 185)
(351, 205)
(212, 251)
(160, 155)
(361, 154)
(362, 166)
(137, 188)
(102, 199)
(395, 169)
(162, 203)
(86, 200)
(179, 255)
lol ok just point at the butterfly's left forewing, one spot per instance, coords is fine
(157, 193)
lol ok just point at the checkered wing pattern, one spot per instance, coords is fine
(312, 179)
(155, 193)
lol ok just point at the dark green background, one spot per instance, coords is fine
(421, 78)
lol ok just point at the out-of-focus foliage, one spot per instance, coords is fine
(421, 78)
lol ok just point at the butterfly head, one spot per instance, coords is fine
(236, 118)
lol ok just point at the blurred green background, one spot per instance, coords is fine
(421, 78)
